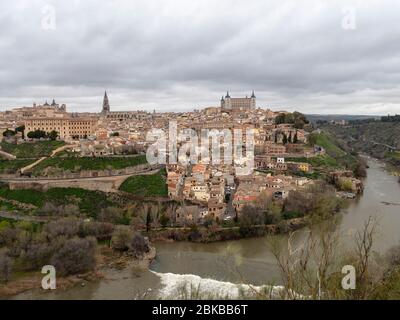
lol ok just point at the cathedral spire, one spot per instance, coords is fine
(106, 104)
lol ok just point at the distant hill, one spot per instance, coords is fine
(379, 139)
(337, 117)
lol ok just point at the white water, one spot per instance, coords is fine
(178, 286)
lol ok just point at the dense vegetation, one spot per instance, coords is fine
(146, 185)
(298, 119)
(71, 245)
(61, 201)
(395, 118)
(317, 202)
(36, 149)
(40, 134)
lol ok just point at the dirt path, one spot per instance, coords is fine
(53, 153)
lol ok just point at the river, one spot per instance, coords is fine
(217, 267)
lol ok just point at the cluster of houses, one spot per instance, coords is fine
(207, 186)
(217, 193)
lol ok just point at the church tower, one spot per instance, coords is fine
(227, 103)
(106, 105)
(253, 101)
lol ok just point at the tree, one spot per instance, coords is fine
(37, 255)
(290, 137)
(249, 217)
(360, 170)
(21, 129)
(295, 139)
(280, 118)
(77, 255)
(139, 245)
(8, 133)
(148, 221)
(121, 239)
(114, 134)
(37, 134)
(100, 230)
(164, 220)
(53, 135)
(296, 118)
(284, 140)
(62, 228)
(344, 184)
(5, 267)
(111, 214)
(300, 263)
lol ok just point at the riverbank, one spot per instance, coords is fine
(31, 281)
(199, 234)
(106, 259)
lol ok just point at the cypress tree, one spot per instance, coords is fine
(295, 139)
(284, 140)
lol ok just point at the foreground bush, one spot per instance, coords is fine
(125, 239)
(77, 255)
(139, 245)
(68, 244)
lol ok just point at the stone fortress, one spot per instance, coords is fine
(245, 103)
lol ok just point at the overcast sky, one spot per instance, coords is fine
(311, 56)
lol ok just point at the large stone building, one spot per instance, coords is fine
(36, 111)
(67, 127)
(245, 103)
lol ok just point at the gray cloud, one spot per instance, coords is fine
(180, 55)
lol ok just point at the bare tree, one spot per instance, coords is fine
(305, 266)
(77, 255)
(311, 267)
(5, 267)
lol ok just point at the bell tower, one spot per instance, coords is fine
(106, 104)
(253, 100)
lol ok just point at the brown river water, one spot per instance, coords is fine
(218, 267)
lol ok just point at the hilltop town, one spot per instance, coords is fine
(130, 178)
(106, 151)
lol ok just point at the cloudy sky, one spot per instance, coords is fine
(311, 56)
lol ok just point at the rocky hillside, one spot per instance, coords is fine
(376, 138)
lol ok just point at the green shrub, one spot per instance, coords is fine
(291, 215)
(146, 185)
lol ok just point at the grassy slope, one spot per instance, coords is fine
(335, 155)
(327, 141)
(11, 166)
(31, 150)
(146, 185)
(89, 202)
(75, 164)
